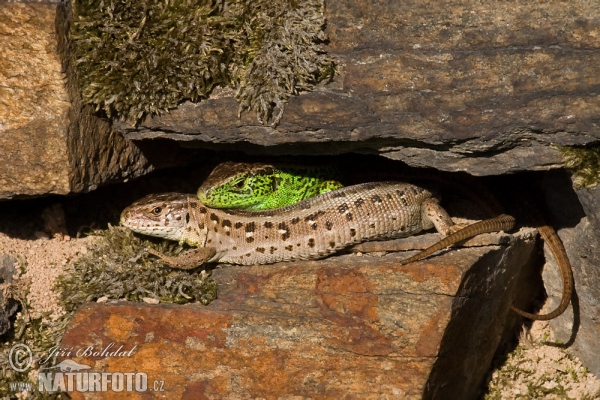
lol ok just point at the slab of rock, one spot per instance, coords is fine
(33, 103)
(483, 87)
(363, 327)
(579, 327)
(51, 143)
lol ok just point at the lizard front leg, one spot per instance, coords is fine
(189, 259)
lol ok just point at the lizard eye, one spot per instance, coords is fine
(240, 184)
(157, 210)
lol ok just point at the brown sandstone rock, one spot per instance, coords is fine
(34, 103)
(483, 87)
(342, 327)
(49, 141)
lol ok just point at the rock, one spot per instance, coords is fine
(8, 307)
(33, 115)
(55, 223)
(579, 327)
(50, 142)
(590, 201)
(365, 327)
(485, 88)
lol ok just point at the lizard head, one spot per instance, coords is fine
(239, 185)
(162, 215)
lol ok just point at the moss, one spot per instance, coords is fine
(116, 266)
(145, 57)
(283, 55)
(584, 163)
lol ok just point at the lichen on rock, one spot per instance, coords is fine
(138, 58)
(584, 163)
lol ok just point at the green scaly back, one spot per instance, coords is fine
(264, 186)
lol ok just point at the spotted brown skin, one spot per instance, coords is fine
(311, 229)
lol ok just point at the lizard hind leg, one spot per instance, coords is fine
(188, 259)
(433, 215)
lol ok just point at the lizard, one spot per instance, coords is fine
(311, 229)
(220, 191)
(259, 186)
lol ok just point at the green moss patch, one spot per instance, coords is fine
(584, 163)
(144, 57)
(117, 266)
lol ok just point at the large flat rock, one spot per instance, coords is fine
(347, 326)
(483, 87)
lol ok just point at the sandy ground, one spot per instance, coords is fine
(532, 370)
(43, 260)
(538, 371)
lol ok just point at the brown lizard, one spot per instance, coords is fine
(263, 186)
(311, 229)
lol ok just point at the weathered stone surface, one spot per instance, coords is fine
(579, 327)
(590, 201)
(33, 103)
(50, 142)
(362, 327)
(8, 307)
(483, 87)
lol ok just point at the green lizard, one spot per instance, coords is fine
(264, 186)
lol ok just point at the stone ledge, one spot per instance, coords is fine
(476, 87)
(362, 326)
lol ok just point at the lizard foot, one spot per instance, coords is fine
(454, 228)
(189, 259)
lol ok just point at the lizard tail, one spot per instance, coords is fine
(558, 249)
(500, 223)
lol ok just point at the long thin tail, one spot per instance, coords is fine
(566, 271)
(500, 223)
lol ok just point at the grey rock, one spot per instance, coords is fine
(579, 327)
(590, 201)
(476, 87)
(9, 306)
